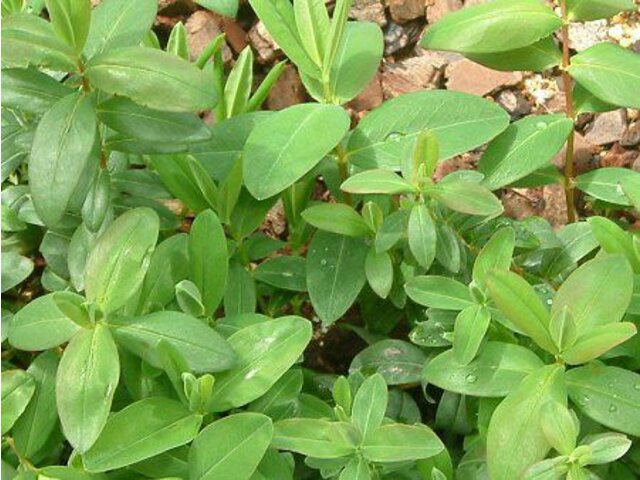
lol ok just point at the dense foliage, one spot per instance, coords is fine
(151, 329)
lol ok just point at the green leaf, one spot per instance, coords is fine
(610, 72)
(522, 306)
(439, 292)
(496, 27)
(495, 255)
(240, 296)
(87, 378)
(237, 90)
(285, 272)
(586, 102)
(582, 292)
(523, 148)
(559, 427)
(40, 325)
(230, 448)
(118, 263)
(563, 329)
(518, 417)
(202, 347)
(614, 240)
(377, 181)
(312, 22)
(597, 341)
(466, 197)
(470, 328)
(608, 395)
(141, 430)
(279, 18)
(30, 90)
(607, 447)
(119, 23)
(337, 218)
(32, 430)
(356, 469)
(378, 269)
(539, 56)
(266, 351)
(284, 147)
(177, 43)
(422, 235)
(495, 372)
(335, 273)
(70, 20)
(397, 361)
(149, 125)
(460, 121)
(586, 10)
(15, 269)
(370, 405)
(208, 259)
(152, 78)
(228, 8)
(312, 437)
(606, 184)
(17, 389)
(63, 148)
(397, 443)
(187, 179)
(29, 40)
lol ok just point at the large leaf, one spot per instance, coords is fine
(141, 430)
(606, 277)
(29, 40)
(497, 26)
(284, 147)
(266, 351)
(208, 259)
(586, 10)
(496, 371)
(61, 151)
(17, 389)
(117, 264)
(202, 347)
(119, 23)
(609, 395)
(41, 325)
(230, 448)
(337, 218)
(15, 269)
(335, 273)
(539, 56)
(526, 146)
(30, 90)
(460, 121)
(70, 20)
(606, 184)
(515, 439)
(610, 72)
(317, 438)
(397, 361)
(87, 378)
(152, 78)
(438, 292)
(397, 443)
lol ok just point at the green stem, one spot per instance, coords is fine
(343, 168)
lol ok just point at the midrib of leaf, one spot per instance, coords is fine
(107, 38)
(162, 336)
(114, 268)
(88, 369)
(69, 120)
(582, 315)
(578, 65)
(334, 280)
(235, 449)
(43, 381)
(604, 393)
(165, 120)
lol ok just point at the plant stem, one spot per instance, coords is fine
(568, 91)
(343, 167)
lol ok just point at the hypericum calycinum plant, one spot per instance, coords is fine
(152, 328)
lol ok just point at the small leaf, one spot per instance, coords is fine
(607, 447)
(563, 329)
(285, 272)
(30, 90)
(606, 184)
(70, 20)
(17, 389)
(141, 430)
(230, 448)
(370, 405)
(439, 292)
(228, 8)
(377, 181)
(471, 326)
(421, 233)
(379, 272)
(15, 269)
(581, 11)
(466, 197)
(397, 361)
(559, 427)
(539, 56)
(397, 443)
(597, 341)
(337, 218)
(237, 90)
(495, 255)
(312, 437)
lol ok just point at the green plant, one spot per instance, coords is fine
(151, 329)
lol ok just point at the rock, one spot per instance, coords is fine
(287, 91)
(405, 10)
(587, 34)
(263, 43)
(467, 76)
(514, 102)
(618, 157)
(410, 75)
(631, 137)
(521, 203)
(202, 27)
(369, 11)
(398, 37)
(583, 155)
(555, 205)
(436, 9)
(607, 127)
(235, 35)
(466, 161)
(636, 165)
(371, 97)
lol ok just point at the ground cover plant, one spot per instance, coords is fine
(153, 328)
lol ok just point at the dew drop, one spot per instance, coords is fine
(637, 386)
(471, 378)
(613, 408)
(541, 125)
(323, 262)
(394, 137)
(585, 399)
